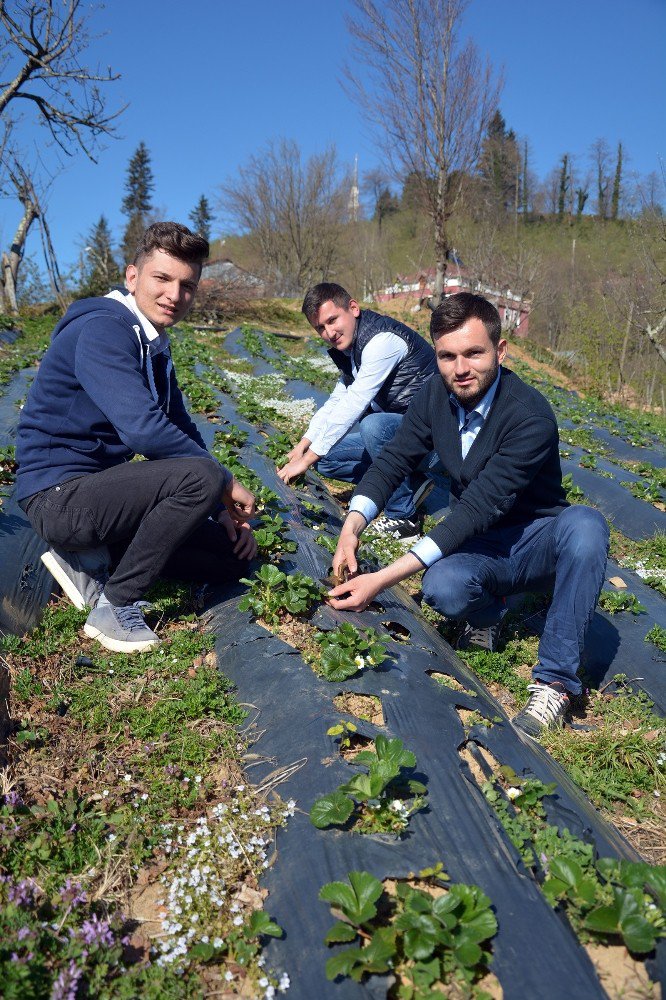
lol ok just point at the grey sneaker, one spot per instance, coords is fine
(81, 575)
(547, 708)
(122, 630)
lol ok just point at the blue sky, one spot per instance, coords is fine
(208, 82)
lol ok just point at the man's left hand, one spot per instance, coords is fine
(356, 594)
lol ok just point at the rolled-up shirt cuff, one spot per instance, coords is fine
(318, 446)
(364, 506)
(426, 551)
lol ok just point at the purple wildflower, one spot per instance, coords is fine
(22, 893)
(13, 799)
(97, 931)
(72, 894)
(66, 985)
(23, 933)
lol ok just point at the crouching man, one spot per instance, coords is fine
(382, 364)
(510, 528)
(106, 391)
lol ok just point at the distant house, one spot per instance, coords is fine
(222, 273)
(514, 310)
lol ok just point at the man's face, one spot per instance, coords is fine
(336, 325)
(163, 287)
(468, 361)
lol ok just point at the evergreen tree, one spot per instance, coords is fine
(499, 164)
(137, 202)
(617, 184)
(100, 269)
(202, 217)
(386, 204)
(563, 186)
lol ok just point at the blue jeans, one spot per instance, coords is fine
(566, 553)
(353, 455)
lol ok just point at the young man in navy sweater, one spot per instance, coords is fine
(106, 391)
(510, 527)
(382, 364)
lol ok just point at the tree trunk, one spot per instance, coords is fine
(8, 287)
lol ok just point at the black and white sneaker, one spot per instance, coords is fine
(486, 639)
(547, 708)
(405, 529)
(81, 575)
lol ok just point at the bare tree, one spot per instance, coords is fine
(292, 211)
(41, 48)
(428, 97)
(600, 156)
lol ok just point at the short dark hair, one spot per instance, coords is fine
(325, 291)
(176, 240)
(455, 310)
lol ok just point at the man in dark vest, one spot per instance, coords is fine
(382, 364)
(510, 528)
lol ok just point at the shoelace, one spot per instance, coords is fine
(131, 617)
(545, 704)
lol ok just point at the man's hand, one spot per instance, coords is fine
(298, 450)
(296, 467)
(348, 543)
(239, 502)
(356, 594)
(239, 508)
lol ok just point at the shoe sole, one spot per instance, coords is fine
(421, 495)
(119, 645)
(63, 581)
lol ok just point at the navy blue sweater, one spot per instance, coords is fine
(98, 399)
(510, 475)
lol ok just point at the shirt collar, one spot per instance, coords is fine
(482, 408)
(127, 299)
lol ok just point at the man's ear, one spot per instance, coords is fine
(502, 348)
(130, 276)
(354, 308)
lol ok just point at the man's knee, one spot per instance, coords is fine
(377, 429)
(206, 478)
(449, 590)
(583, 531)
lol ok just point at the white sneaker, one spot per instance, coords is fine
(81, 575)
(547, 708)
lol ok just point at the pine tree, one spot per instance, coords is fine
(564, 184)
(100, 270)
(617, 184)
(499, 164)
(202, 217)
(137, 202)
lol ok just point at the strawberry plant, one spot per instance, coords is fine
(272, 593)
(613, 602)
(270, 536)
(605, 898)
(381, 800)
(425, 941)
(346, 650)
(277, 446)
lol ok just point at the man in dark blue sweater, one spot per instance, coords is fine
(105, 392)
(510, 527)
(382, 364)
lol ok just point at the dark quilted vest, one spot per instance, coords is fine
(407, 377)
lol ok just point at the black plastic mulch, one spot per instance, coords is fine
(294, 709)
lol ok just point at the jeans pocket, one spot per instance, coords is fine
(69, 527)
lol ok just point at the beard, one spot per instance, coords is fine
(470, 396)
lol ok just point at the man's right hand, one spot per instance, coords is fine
(348, 543)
